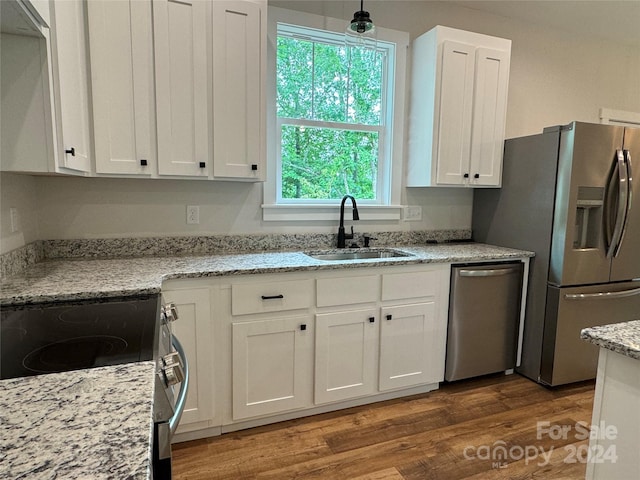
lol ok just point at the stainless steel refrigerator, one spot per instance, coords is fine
(570, 195)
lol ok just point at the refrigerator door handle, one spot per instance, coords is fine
(602, 295)
(621, 206)
(627, 171)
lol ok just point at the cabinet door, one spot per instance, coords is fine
(489, 116)
(71, 96)
(180, 47)
(346, 344)
(455, 113)
(122, 85)
(412, 346)
(195, 331)
(239, 115)
(271, 362)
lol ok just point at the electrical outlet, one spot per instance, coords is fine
(193, 214)
(412, 213)
(15, 219)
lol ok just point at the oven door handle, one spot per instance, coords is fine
(184, 386)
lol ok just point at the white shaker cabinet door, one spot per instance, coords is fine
(194, 330)
(489, 116)
(346, 350)
(180, 48)
(412, 346)
(271, 365)
(239, 105)
(71, 97)
(454, 119)
(121, 56)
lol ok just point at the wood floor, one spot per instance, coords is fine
(450, 433)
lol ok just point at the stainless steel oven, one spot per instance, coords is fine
(37, 339)
(168, 405)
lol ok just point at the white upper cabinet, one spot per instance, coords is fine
(72, 95)
(239, 106)
(45, 109)
(458, 108)
(121, 51)
(171, 102)
(180, 48)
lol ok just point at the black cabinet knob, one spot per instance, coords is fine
(466, 175)
(254, 167)
(303, 327)
(143, 162)
(477, 175)
(372, 319)
(71, 151)
(389, 317)
(203, 164)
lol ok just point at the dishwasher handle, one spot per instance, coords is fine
(493, 272)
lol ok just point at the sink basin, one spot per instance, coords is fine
(358, 255)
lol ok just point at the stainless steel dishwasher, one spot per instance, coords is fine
(484, 314)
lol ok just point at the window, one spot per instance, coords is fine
(331, 116)
(337, 117)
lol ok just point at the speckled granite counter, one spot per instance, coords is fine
(622, 338)
(93, 424)
(96, 423)
(59, 280)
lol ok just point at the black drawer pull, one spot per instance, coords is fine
(372, 319)
(72, 151)
(143, 162)
(272, 297)
(254, 167)
(466, 175)
(477, 175)
(203, 164)
(389, 317)
(303, 327)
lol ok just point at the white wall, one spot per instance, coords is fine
(556, 77)
(20, 192)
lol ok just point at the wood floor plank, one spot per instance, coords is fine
(418, 437)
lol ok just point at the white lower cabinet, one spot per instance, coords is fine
(346, 345)
(194, 329)
(271, 361)
(264, 348)
(412, 350)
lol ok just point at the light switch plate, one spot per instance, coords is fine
(412, 213)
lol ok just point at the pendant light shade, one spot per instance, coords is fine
(361, 31)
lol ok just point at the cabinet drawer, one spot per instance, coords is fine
(348, 290)
(396, 286)
(271, 297)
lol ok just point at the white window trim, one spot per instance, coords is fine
(272, 211)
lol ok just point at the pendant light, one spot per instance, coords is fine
(361, 32)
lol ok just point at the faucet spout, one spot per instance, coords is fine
(341, 235)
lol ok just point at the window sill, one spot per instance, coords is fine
(298, 213)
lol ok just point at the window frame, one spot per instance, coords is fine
(387, 204)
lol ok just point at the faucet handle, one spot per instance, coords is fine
(349, 236)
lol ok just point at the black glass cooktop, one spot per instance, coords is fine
(57, 337)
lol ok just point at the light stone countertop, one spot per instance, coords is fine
(88, 424)
(61, 280)
(622, 338)
(97, 423)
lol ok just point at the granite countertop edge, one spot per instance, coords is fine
(622, 338)
(72, 279)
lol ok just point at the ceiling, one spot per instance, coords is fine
(614, 20)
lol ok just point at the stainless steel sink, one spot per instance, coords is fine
(358, 255)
